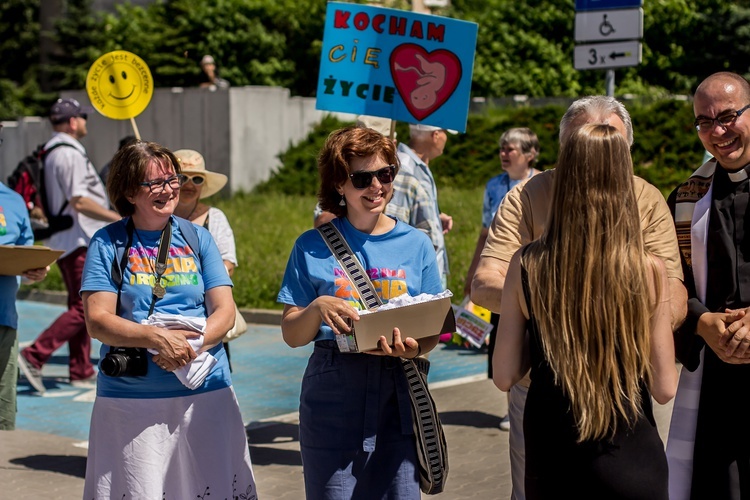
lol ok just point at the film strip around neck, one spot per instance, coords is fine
(352, 267)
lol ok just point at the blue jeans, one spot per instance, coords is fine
(356, 432)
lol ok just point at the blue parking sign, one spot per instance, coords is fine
(607, 4)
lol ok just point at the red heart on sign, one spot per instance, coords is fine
(425, 80)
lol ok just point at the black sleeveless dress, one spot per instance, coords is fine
(630, 465)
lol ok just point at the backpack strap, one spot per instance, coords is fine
(190, 233)
(44, 152)
(121, 235)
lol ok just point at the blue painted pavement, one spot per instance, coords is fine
(266, 377)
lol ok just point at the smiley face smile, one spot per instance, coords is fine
(132, 91)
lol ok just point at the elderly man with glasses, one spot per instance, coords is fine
(426, 143)
(708, 452)
(73, 188)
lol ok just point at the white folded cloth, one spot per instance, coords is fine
(407, 300)
(194, 373)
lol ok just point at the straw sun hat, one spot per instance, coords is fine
(192, 163)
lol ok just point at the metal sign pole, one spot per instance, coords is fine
(609, 82)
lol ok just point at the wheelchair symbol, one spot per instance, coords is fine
(605, 28)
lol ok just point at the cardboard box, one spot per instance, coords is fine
(15, 259)
(423, 319)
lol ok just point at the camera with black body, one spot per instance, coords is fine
(125, 362)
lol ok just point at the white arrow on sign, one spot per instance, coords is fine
(607, 55)
(609, 25)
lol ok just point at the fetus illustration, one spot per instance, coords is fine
(425, 80)
(431, 80)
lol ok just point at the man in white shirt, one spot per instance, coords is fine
(73, 188)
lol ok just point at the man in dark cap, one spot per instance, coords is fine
(73, 188)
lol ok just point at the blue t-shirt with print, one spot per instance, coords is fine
(15, 229)
(186, 280)
(494, 193)
(397, 262)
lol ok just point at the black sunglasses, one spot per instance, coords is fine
(363, 179)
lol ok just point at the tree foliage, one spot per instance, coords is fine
(524, 46)
(19, 89)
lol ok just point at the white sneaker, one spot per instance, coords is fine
(86, 383)
(32, 374)
(505, 423)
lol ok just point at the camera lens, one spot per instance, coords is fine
(114, 365)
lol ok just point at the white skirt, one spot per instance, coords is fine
(169, 449)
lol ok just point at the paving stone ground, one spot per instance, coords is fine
(36, 465)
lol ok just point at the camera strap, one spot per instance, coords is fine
(118, 267)
(117, 272)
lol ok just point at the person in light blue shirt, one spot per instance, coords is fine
(15, 229)
(519, 151)
(152, 435)
(356, 434)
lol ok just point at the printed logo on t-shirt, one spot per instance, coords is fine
(3, 223)
(182, 268)
(388, 283)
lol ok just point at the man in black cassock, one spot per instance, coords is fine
(711, 214)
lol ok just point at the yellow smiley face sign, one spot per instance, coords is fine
(119, 85)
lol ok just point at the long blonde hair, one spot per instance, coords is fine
(589, 283)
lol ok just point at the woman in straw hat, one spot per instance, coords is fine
(200, 184)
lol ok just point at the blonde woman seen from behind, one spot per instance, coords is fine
(596, 306)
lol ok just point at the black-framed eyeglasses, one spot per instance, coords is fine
(195, 179)
(363, 179)
(158, 186)
(704, 124)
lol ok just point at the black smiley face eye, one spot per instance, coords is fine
(111, 79)
(124, 76)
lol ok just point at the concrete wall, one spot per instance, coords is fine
(263, 122)
(239, 131)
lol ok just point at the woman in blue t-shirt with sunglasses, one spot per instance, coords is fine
(355, 420)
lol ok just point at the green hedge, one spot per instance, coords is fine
(666, 148)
